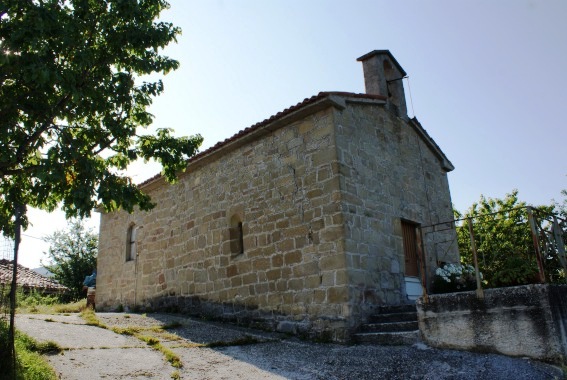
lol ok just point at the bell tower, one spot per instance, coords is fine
(383, 75)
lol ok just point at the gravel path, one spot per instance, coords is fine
(217, 351)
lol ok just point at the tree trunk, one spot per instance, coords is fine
(19, 211)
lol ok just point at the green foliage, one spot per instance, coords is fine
(72, 254)
(35, 298)
(30, 300)
(77, 79)
(503, 241)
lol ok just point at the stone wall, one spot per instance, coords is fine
(295, 226)
(389, 174)
(526, 321)
(284, 189)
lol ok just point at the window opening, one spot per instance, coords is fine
(236, 233)
(131, 243)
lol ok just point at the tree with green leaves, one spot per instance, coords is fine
(76, 80)
(503, 241)
(72, 255)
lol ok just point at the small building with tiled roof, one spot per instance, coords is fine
(306, 222)
(28, 280)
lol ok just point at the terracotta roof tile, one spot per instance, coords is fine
(27, 278)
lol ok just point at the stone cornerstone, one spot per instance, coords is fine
(298, 223)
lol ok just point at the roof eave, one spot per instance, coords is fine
(445, 163)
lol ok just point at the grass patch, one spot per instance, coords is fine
(131, 330)
(171, 356)
(150, 340)
(75, 307)
(189, 345)
(169, 336)
(155, 343)
(89, 316)
(175, 375)
(30, 364)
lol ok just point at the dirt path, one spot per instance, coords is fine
(214, 351)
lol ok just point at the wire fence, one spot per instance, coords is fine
(511, 247)
(6, 249)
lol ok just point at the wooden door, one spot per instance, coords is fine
(410, 248)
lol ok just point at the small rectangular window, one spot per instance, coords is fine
(236, 239)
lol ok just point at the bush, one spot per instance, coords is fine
(454, 278)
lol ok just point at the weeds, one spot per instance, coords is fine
(131, 330)
(150, 340)
(30, 364)
(75, 307)
(89, 316)
(92, 320)
(155, 343)
(175, 375)
(171, 357)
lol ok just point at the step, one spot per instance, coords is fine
(390, 326)
(393, 309)
(388, 338)
(393, 317)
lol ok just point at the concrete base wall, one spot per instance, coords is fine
(528, 321)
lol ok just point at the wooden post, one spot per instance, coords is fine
(421, 255)
(535, 240)
(479, 290)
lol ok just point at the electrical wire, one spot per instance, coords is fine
(410, 97)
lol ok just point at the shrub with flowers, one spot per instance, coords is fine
(454, 278)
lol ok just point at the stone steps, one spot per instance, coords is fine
(391, 325)
(402, 338)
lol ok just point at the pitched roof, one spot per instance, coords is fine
(374, 52)
(28, 279)
(325, 98)
(314, 103)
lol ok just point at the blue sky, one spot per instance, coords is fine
(488, 81)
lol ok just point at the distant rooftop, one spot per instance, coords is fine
(28, 279)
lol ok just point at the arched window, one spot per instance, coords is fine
(236, 234)
(131, 243)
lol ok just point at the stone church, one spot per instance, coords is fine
(305, 222)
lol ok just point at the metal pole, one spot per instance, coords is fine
(479, 290)
(421, 255)
(557, 236)
(535, 240)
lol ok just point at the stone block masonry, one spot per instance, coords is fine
(293, 224)
(525, 321)
(283, 190)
